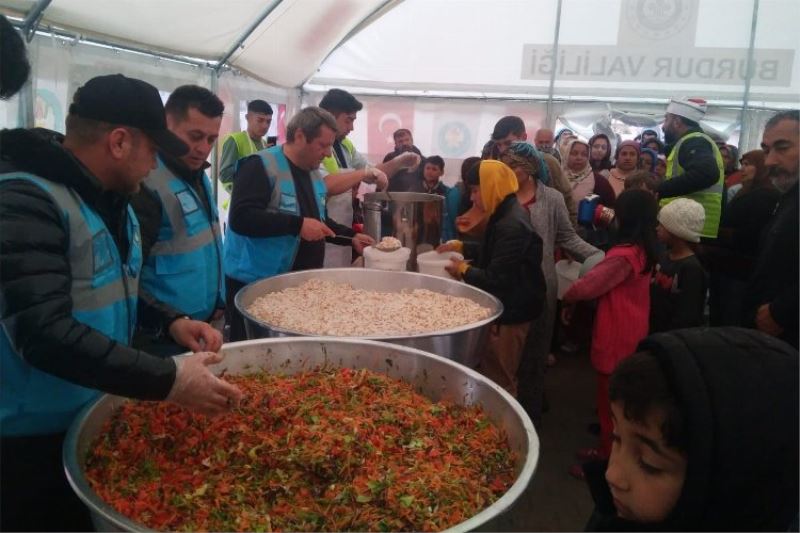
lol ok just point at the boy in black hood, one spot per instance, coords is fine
(705, 436)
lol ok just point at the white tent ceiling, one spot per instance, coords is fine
(284, 48)
(607, 48)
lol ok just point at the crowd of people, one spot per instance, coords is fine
(112, 261)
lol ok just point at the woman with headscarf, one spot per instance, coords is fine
(661, 167)
(549, 218)
(564, 138)
(600, 154)
(647, 160)
(655, 145)
(731, 258)
(507, 264)
(730, 160)
(582, 178)
(626, 159)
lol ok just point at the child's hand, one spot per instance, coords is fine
(566, 313)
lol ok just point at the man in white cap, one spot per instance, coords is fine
(694, 166)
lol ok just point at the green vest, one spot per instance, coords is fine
(245, 145)
(330, 163)
(710, 198)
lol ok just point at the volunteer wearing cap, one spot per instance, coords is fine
(244, 143)
(181, 239)
(70, 261)
(694, 165)
(346, 168)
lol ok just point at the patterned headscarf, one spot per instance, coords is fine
(580, 175)
(525, 155)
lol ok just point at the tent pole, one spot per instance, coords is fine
(214, 158)
(550, 122)
(32, 19)
(247, 32)
(744, 123)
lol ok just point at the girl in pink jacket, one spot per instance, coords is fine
(621, 285)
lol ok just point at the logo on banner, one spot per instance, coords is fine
(454, 138)
(658, 19)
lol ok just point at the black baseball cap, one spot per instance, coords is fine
(117, 99)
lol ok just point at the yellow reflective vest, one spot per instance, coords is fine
(711, 197)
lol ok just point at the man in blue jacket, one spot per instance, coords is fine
(181, 238)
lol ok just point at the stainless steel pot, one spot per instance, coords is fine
(463, 344)
(414, 218)
(433, 376)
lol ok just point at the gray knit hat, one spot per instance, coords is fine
(684, 218)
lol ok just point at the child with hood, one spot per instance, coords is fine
(507, 264)
(705, 436)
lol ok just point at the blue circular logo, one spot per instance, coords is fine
(454, 139)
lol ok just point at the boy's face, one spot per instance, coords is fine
(662, 233)
(432, 173)
(645, 475)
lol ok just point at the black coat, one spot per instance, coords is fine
(775, 278)
(737, 390)
(508, 263)
(35, 277)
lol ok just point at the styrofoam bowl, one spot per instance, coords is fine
(395, 261)
(433, 263)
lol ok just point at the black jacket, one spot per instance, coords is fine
(700, 169)
(508, 263)
(738, 392)
(775, 278)
(35, 276)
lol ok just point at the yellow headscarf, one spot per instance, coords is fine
(497, 181)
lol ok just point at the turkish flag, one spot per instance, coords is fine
(384, 117)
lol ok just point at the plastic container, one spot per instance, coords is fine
(396, 261)
(567, 272)
(433, 263)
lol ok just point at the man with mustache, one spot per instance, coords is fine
(771, 302)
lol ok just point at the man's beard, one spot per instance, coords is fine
(783, 181)
(669, 137)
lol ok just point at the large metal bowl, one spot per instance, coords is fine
(435, 377)
(462, 344)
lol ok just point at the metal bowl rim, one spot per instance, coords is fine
(437, 333)
(96, 505)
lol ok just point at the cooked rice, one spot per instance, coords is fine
(321, 307)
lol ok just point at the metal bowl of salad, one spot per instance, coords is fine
(427, 386)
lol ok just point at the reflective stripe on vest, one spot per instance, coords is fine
(248, 259)
(104, 296)
(184, 268)
(711, 197)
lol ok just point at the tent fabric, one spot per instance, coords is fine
(284, 50)
(607, 48)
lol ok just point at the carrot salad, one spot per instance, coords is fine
(330, 450)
